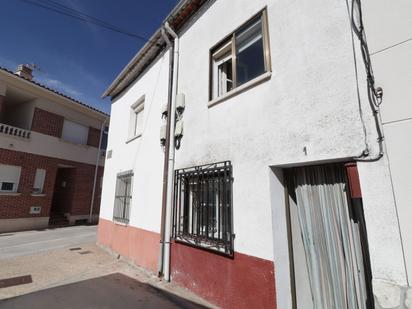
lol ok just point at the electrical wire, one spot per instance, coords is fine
(81, 16)
(374, 94)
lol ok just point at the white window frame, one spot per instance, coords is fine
(135, 124)
(39, 180)
(9, 177)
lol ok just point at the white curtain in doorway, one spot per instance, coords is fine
(330, 238)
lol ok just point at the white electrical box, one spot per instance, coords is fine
(180, 102)
(163, 133)
(179, 129)
(35, 210)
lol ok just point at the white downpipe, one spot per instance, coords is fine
(171, 154)
(96, 168)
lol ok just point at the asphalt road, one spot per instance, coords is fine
(31, 242)
(108, 292)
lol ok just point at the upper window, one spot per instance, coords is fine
(75, 132)
(202, 212)
(9, 178)
(39, 178)
(136, 119)
(240, 58)
(123, 197)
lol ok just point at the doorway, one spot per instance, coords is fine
(329, 254)
(63, 194)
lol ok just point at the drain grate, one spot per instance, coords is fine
(85, 252)
(8, 282)
(75, 249)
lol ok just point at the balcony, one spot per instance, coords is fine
(14, 131)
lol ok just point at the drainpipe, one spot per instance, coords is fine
(164, 257)
(96, 169)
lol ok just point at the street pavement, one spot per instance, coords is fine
(111, 291)
(64, 268)
(31, 242)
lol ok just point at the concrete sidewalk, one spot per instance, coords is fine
(65, 278)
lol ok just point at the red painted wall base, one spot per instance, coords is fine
(139, 245)
(242, 282)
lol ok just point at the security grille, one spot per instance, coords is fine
(202, 212)
(123, 197)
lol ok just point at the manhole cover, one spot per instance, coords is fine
(8, 282)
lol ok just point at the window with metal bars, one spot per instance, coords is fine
(202, 212)
(123, 197)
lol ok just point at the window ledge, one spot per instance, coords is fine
(10, 193)
(257, 80)
(133, 138)
(38, 194)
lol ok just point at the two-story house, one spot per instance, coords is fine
(270, 185)
(51, 155)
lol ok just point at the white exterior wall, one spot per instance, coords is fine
(143, 155)
(389, 30)
(310, 101)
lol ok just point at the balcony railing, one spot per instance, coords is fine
(14, 131)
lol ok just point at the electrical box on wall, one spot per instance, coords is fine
(180, 103)
(179, 129)
(35, 210)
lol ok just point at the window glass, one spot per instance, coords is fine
(39, 180)
(136, 119)
(123, 197)
(240, 58)
(249, 52)
(75, 132)
(9, 177)
(202, 207)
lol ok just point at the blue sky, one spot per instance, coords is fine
(76, 58)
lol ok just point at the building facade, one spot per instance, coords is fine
(284, 193)
(51, 161)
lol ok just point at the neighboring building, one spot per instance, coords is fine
(49, 155)
(285, 195)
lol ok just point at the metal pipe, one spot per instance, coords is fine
(166, 157)
(171, 159)
(96, 168)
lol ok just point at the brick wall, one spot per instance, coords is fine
(19, 206)
(94, 137)
(47, 123)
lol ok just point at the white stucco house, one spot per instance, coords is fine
(280, 177)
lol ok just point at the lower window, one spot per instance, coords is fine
(202, 212)
(123, 197)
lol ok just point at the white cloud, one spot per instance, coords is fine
(60, 86)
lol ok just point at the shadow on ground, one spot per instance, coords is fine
(107, 292)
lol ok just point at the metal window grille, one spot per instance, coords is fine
(202, 212)
(123, 197)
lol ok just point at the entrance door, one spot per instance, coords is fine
(329, 254)
(62, 195)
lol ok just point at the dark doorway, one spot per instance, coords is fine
(328, 241)
(62, 196)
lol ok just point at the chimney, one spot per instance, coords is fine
(25, 71)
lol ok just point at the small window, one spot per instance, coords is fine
(136, 119)
(243, 56)
(75, 132)
(39, 178)
(123, 197)
(202, 212)
(9, 178)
